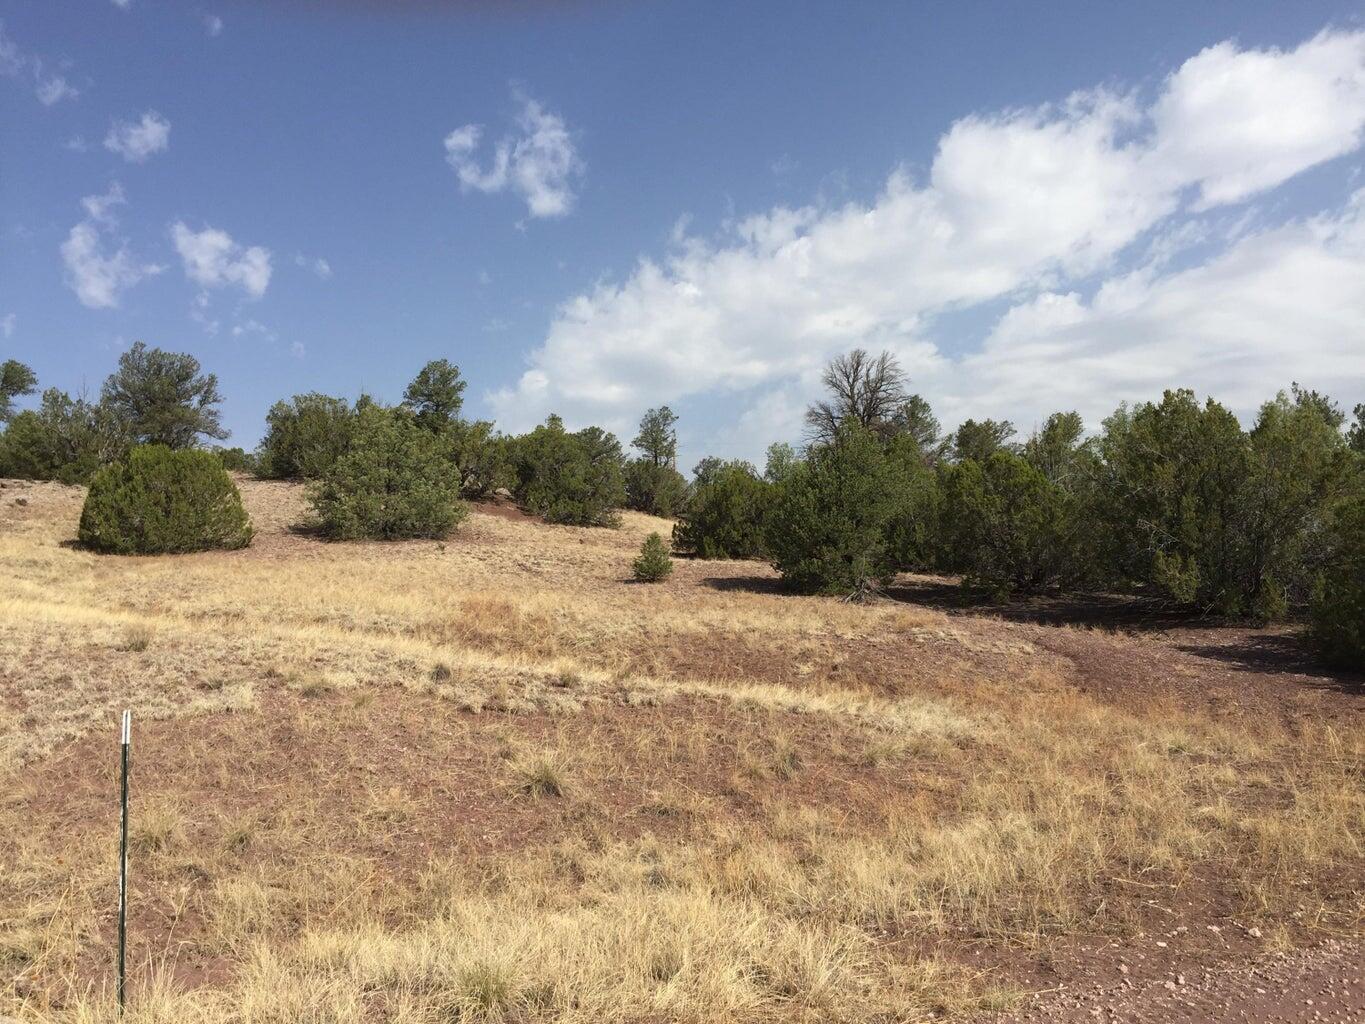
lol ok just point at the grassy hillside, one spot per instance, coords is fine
(493, 779)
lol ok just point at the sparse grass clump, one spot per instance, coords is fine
(543, 774)
(138, 638)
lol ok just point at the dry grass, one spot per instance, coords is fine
(488, 780)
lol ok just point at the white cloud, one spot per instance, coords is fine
(1284, 304)
(97, 276)
(212, 259)
(538, 160)
(213, 24)
(136, 141)
(1241, 121)
(1026, 206)
(16, 64)
(7, 324)
(123, 4)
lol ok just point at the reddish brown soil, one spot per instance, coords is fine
(504, 508)
(1321, 985)
(323, 766)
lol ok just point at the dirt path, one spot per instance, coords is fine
(1325, 985)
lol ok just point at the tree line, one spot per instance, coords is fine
(1172, 499)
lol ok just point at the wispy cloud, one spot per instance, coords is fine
(213, 24)
(99, 266)
(136, 141)
(538, 160)
(319, 266)
(16, 64)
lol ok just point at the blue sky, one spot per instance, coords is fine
(597, 207)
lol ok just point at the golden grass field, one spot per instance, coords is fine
(490, 779)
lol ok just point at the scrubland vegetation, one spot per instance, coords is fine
(478, 774)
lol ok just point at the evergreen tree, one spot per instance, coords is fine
(653, 564)
(392, 482)
(658, 437)
(304, 436)
(571, 478)
(436, 395)
(979, 440)
(160, 501)
(829, 529)
(163, 398)
(725, 512)
(916, 420)
(63, 439)
(16, 379)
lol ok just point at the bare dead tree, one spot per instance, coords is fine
(863, 389)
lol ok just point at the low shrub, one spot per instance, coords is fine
(653, 564)
(160, 501)
(304, 437)
(655, 489)
(1007, 527)
(725, 512)
(574, 479)
(393, 482)
(830, 527)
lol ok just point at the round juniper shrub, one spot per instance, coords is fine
(395, 481)
(158, 501)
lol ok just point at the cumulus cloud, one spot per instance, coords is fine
(1241, 121)
(99, 267)
(538, 160)
(1286, 303)
(1026, 206)
(15, 63)
(212, 259)
(136, 141)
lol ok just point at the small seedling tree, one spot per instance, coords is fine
(653, 564)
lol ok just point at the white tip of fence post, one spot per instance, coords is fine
(127, 727)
